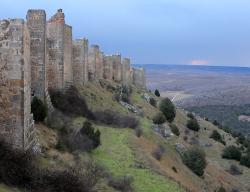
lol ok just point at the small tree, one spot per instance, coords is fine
(217, 137)
(168, 109)
(153, 102)
(245, 160)
(191, 115)
(231, 152)
(39, 109)
(159, 118)
(195, 159)
(157, 93)
(175, 129)
(193, 125)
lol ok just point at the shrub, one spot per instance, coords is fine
(159, 118)
(221, 189)
(195, 159)
(86, 139)
(168, 109)
(70, 102)
(174, 169)
(15, 166)
(191, 115)
(157, 93)
(245, 160)
(217, 137)
(193, 125)
(110, 117)
(123, 184)
(153, 102)
(158, 152)
(175, 129)
(138, 131)
(39, 109)
(231, 152)
(234, 170)
(216, 123)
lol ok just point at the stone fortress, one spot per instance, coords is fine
(37, 55)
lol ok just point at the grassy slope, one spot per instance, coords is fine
(121, 151)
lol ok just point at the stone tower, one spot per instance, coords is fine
(117, 68)
(93, 58)
(139, 79)
(36, 21)
(16, 120)
(80, 64)
(55, 51)
(126, 71)
(68, 68)
(108, 67)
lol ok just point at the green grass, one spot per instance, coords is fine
(118, 157)
(4, 188)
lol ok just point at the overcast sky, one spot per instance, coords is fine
(206, 32)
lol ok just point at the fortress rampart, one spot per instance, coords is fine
(37, 55)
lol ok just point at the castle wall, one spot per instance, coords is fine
(139, 77)
(78, 62)
(36, 21)
(55, 51)
(16, 121)
(99, 65)
(68, 68)
(126, 71)
(92, 59)
(108, 67)
(117, 68)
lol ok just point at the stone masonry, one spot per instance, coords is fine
(36, 21)
(79, 62)
(16, 120)
(36, 56)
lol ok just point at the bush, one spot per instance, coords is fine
(157, 93)
(158, 152)
(231, 152)
(113, 118)
(174, 169)
(193, 125)
(217, 137)
(168, 109)
(245, 160)
(70, 103)
(15, 166)
(86, 139)
(191, 115)
(138, 131)
(39, 109)
(234, 170)
(123, 184)
(221, 189)
(195, 159)
(175, 129)
(153, 102)
(159, 118)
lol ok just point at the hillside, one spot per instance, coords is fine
(124, 155)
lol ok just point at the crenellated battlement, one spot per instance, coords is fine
(37, 55)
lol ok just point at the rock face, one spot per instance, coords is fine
(39, 55)
(16, 120)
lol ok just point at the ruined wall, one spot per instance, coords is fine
(92, 59)
(139, 77)
(78, 62)
(68, 69)
(108, 67)
(99, 65)
(16, 121)
(117, 68)
(126, 71)
(36, 21)
(55, 51)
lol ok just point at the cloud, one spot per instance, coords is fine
(199, 62)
